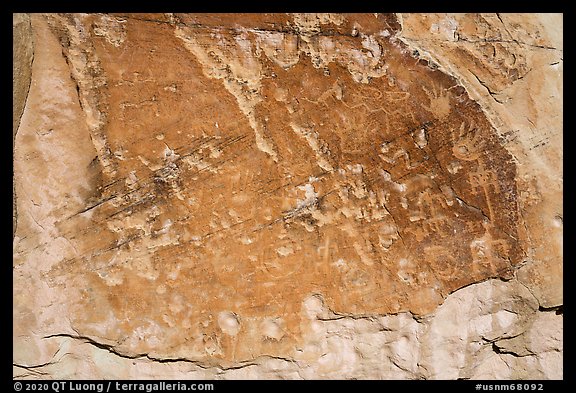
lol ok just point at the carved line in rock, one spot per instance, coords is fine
(370, 231)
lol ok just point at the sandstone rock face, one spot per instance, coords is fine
(512, 65)
(22, 54)
(290, 196)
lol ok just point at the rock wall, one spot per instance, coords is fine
(290, 196)
(22, 55)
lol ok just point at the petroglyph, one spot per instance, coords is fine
(439, 98)
(258, 164)
(468, 143)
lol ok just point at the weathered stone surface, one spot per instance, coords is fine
(53, 173)
(22, 54)
(512, 65)
(281, 196)
(469, 336)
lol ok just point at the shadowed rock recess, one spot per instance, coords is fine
(294, 196)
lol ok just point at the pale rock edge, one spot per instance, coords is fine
(488, 330)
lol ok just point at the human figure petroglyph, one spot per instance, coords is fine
(485, 183)
(239, 216)
(489, 252)
(429, 217)
(470, 146)
(427, 206)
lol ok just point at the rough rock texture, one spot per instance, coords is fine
(512, 65)
(290, 196)
(22, 55)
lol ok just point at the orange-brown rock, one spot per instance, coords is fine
(209, 188)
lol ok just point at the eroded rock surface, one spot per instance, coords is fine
(22, 55)
(512, 65)
(266, 195)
